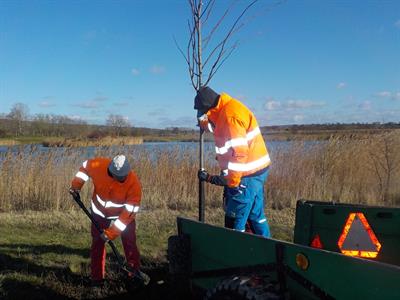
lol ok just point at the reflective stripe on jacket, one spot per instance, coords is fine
(111, 199)
(239, 145)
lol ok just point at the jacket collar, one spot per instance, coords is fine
(212, 114)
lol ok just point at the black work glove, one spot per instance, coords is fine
(74, 192)
(213, 179)
(104, 237)
(218, 180)
(203, 175)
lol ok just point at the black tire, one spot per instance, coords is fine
(251, 287)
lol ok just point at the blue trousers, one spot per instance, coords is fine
(247, 203)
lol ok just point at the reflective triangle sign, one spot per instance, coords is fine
(358, 238)
(316, 242)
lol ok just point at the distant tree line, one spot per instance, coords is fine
(309, 128)
(18, 123)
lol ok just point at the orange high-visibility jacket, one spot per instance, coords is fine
(239, 145)
(111, 199)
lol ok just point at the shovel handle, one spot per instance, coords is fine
(78, 200)
(121, 263)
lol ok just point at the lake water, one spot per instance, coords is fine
(190, 149)
(150, 146)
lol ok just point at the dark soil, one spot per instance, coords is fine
(61, 283)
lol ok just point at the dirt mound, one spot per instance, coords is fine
(22, 282)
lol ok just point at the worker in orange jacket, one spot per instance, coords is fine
(242, 156)
(115, 202)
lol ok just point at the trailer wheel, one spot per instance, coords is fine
(244, 288)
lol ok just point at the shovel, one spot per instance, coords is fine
(140, 279)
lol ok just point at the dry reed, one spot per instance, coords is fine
(342, 169)
(365, 171)
(94, 142)
(8, 142)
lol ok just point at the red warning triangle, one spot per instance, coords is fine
(316, 242)
(358, 238)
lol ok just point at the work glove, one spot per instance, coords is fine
(203, 175)
(104, 237)
(74, 192)
(111, 233)
(205, 124)
(218, 180)
(213, 179)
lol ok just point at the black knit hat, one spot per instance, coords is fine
(205, 99)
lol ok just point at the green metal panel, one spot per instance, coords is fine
(217, 248)
(340, 276)
(328, 219)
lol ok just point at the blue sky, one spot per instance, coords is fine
(300, 62)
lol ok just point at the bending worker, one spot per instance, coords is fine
(242, 156)
(115, 201)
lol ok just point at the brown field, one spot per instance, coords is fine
(96, 142)
(8, 142)
(341, 169)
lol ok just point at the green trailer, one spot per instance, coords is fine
(322, 224)
(219, 263)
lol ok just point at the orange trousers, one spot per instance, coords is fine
(98, 251)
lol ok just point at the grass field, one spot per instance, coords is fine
(46, 255)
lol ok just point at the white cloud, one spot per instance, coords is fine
(46, 104)
(157, 69)
(388, 95)
(358, 111)
(88, 104)
(341, 85)
(272, 105)
(301, 104)
(76, 117)
(135, 72)
(99, 99)
(298, 118)
(397, 24)
(384, 94)
(291, 104)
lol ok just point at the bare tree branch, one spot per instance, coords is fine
(216, 26)
(215, 69)
(188, 62)
(214, 59)
(222, 44)
(207, 10)
(181, 51)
